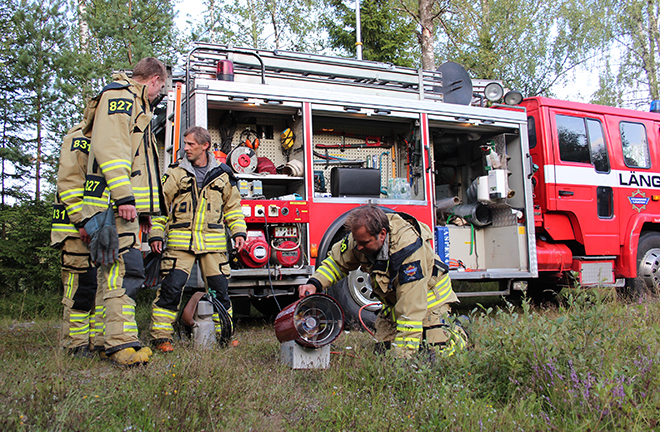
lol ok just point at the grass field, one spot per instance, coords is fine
(590, 364)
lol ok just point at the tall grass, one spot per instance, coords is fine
(590, 364)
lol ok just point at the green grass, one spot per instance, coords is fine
(591, 364)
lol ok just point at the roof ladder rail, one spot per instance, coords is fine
(429, 81)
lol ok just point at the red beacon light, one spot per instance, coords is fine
(225, 70)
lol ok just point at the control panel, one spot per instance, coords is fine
(275, 211)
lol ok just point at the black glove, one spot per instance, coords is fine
(104, 247)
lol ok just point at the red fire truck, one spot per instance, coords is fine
(532, 196)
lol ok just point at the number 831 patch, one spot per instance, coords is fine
(120, 106)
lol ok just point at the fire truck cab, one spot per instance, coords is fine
(596, 197)
(527, 195)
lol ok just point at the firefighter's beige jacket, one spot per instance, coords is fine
(406, 274)
(67, 210)
(123, 162)
(197, 218)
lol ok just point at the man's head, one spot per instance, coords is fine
(151, 72)
(197, 141)
(369, 226)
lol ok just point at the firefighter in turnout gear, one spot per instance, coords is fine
(78, 275)
(123, 172)
(406, 274)
(202, 199)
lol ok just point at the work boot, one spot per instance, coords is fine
(101, 352)
(130, 357)
(80, 352)
(164, 347)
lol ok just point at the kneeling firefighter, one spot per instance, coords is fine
(407, 275)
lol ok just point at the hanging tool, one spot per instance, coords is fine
(247, 142)
(369, 141)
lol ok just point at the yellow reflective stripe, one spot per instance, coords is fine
(238, 223)
(158, 222)
(78, 317)
(127, 310)
(179, 238)
(130, 327)
(113, 276)
(69, 285)
(407, 342)
(332, 266)
(64, 228)
(330, 270)
(444, 288)
(115, 163)
(199, 224)
(164, 313)
(234, 214)
(409, 326)
(78, 331)
(327, 274)
(121, 180)
(72, 193)
(162, 326)
(74, 208)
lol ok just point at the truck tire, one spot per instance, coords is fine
(353, 292)
(648, 266)
(543, 292)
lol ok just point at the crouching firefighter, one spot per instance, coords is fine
(407, 275)
(80, 325)
(122, 189)
(202, 199)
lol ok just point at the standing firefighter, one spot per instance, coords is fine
(122, 171)
(407, 276)
(202, 199)
(78, 274)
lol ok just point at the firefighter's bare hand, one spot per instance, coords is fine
(156, 246)
(84, 236)
(240, 243)
(145, 224)
(128, 212)
(305, 290)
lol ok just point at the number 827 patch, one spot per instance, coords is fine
(120, 106)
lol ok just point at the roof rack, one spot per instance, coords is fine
(272, 67)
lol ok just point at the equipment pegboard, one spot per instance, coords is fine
(371, 142)
(268, 147)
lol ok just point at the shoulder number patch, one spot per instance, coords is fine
(410, 272)
(80, 144)
(94, 186)
(59, 214)
(120, 106)
(164, 178)
(344, 244)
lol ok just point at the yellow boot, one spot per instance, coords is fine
(130, 357)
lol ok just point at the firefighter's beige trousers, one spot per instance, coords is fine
(79, 282)
(175, 268)
(119, 284)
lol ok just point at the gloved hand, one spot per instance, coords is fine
(104, 247)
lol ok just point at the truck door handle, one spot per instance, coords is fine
(566, 193)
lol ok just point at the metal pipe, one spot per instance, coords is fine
(358, 32)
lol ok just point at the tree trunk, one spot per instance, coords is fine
(652, 67)
(427, 37)
(37, 168)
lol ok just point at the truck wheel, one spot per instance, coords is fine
(543, 292)
(648, 266)
(353, 292)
